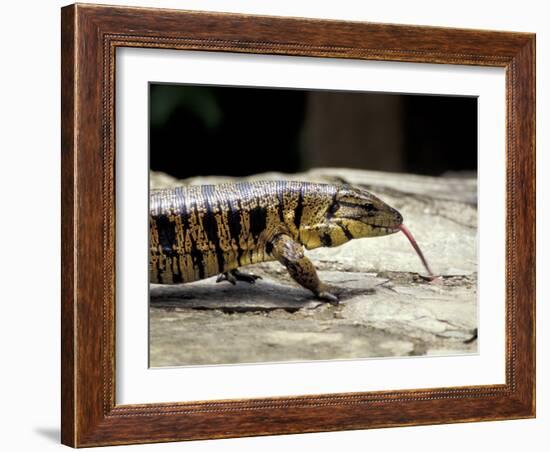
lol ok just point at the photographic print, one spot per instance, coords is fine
(276, 225)
(301, 225)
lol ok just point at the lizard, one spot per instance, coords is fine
(200, 231)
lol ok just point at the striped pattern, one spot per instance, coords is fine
(199, 231)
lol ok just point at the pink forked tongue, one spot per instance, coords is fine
(418, 251)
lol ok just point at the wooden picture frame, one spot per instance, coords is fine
(90, 36)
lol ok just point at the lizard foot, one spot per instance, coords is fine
(236, 275)
(328, 297)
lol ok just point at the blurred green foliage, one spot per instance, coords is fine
(200, 101)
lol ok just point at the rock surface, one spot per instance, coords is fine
(387, 308)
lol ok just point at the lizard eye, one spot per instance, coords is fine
(369, 208)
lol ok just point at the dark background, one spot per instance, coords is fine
(235, 131)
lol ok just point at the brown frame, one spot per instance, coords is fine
(90, 35)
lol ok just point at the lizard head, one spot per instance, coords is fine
(361, 214)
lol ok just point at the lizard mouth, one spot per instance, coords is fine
(387, 229)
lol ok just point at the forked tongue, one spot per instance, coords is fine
(405, 231)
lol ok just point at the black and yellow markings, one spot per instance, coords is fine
(154, 250)
(313, 203)
(299, 209)
(201, 231)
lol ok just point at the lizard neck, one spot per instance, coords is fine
(324, 235)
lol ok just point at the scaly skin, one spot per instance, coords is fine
(199, 231)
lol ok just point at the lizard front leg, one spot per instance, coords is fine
(301, 269)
